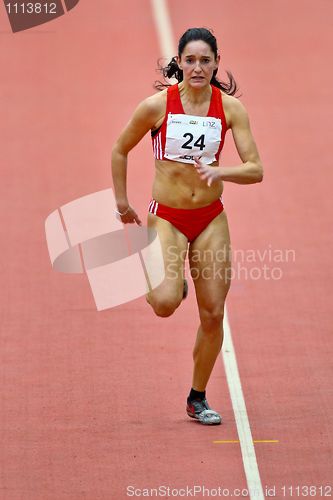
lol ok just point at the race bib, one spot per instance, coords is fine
(189, 137)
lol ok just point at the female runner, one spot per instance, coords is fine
(188, 122)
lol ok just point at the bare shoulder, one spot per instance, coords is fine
(234, 109)
(148, 111)
(154, 104)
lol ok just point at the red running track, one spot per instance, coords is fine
(83, 410)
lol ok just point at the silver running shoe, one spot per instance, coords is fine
(200, 410)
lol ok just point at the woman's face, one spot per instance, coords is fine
(198, 63)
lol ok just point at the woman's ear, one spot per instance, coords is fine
(217, 62)
(178, 62)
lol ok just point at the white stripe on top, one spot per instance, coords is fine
(157, 146)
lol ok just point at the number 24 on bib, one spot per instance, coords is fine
(189, 137)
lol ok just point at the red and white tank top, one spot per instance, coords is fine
(183, 137)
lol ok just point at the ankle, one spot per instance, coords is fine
(196, 395)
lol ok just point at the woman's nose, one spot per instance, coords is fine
(197, 66)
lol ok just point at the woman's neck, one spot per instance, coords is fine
(194, 95)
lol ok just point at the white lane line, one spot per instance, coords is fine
(242, 421)
(163, 28)
(164, 31)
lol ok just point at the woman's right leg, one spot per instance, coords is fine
(167, 296)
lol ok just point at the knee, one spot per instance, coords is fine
(212, 318)
(164, 306)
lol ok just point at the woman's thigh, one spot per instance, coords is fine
(174, 249)
(210, 263)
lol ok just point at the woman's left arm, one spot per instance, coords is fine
(251, 170)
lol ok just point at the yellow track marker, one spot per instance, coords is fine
(254, 441)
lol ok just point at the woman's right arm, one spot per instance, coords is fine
(143, 119)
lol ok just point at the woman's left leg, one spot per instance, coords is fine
(210, 263)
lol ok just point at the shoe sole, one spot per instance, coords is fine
(196, 417)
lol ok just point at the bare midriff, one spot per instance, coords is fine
(178, 185)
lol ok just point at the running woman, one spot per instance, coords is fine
(188, 122)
